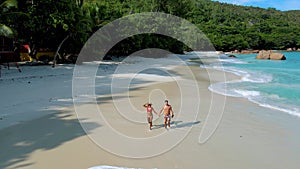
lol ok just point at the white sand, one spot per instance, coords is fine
(40, 128)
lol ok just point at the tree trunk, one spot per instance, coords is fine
(80, 3)
(56, 53)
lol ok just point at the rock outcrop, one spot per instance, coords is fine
(268, 54)
(249, 51)
(277, 56)
(232, 56)
(264, 54)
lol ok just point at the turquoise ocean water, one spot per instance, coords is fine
(269, 83)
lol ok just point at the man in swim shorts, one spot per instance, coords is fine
(168, 113)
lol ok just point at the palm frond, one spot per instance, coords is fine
(9, 4)
(6, 31)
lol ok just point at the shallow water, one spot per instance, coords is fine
(270, 83)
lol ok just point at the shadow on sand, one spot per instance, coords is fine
(177, 124)
(19, 141)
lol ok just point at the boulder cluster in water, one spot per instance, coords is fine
(269, 54)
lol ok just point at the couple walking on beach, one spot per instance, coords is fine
(168, 113)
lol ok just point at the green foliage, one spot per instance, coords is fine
(5, 7)
(45, 23)
(250, 27)
(5, 31)
(8, 4)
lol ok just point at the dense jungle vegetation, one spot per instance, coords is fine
(45, 23)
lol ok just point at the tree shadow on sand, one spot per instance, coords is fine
(44, 133)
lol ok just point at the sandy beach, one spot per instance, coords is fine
(49, 135)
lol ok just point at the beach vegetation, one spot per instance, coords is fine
(46, 23)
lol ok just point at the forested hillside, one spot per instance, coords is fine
(45, 23)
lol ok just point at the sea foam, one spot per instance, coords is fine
(260, 83)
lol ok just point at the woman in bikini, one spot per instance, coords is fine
(149, 110)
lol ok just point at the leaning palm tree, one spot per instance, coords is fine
(81, 29)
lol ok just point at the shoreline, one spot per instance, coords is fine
(266, 75)
(265, 105)
(241, 52)
(247, 136)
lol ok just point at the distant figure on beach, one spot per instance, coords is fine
(149, 110)
(168, 113)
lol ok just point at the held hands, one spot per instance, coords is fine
(157, 113)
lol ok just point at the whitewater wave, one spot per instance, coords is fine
(291, 111)
(248, 86)
(269, 101)
(245, 93)
(234, 61)
(246, 76)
